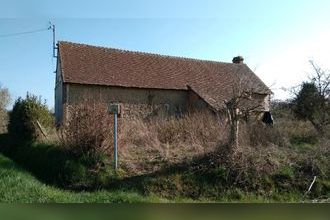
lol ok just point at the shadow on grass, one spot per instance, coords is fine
(190, 179)
(6, 164)
(52, 165)
(203, 176)
(46, 162)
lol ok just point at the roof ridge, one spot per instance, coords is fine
(150, 53)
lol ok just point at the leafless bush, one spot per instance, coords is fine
(88, 130)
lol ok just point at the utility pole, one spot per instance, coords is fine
(54, 46)
(52, 26)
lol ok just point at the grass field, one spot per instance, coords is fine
(17, 185)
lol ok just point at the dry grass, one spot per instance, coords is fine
(87, 132)
(290, 149)
(146, 146)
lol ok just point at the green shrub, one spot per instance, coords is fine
(24, 117)
(53, 165)
(78, 160)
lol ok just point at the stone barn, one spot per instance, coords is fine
(145, 84)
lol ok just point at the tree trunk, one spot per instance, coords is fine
(234, 128)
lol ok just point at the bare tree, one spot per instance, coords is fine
(239, 107)
(321, 79)
(4, 102)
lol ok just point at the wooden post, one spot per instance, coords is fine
(42, 130)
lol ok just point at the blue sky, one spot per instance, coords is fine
(276, 38)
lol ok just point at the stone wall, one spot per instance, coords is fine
(138, 102)
(134, 101)
(195, 102)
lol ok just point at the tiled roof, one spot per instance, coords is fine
(213, 81)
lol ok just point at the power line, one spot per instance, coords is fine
(25, 32)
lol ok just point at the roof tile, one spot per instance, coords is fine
(85, 64)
